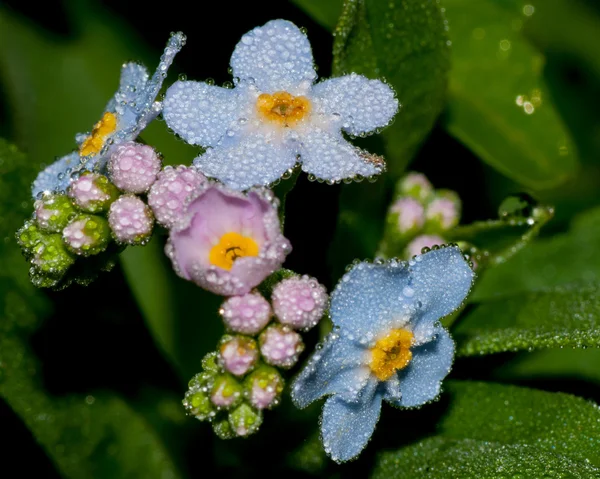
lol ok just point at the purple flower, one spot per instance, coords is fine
(228, 242)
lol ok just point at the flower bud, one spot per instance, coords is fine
(92, 192)
(416, 246)
(263, 386)
(238, 354)
(443, 212)
(407, 215)
(222, 428)
(133, 167)
(130, 220)
(416, 185)
(299, 302)
(197, 403)
(210, 363)
(168, 194)
(226, 392)
(247, 314)
(280, 346)
(87, 235)
(244, 420)
(53, 212)
(50, 255)
(28, 236)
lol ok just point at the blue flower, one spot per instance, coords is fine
(276, 116)
(387, 344)
(126, 115)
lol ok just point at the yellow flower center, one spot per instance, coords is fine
(94, 143)
(391, 353)
(230, 247)
(283, 108)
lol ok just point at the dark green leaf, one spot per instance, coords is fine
(404, 42)
(563, 316)
(545, 263)
(499, 104)
(441, 458)
(326, 13)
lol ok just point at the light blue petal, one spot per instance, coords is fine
(369, 299)
(134, 78)
(257, 160)
(360, 104)
(202, 114)
(421, 380)
(441, 280)
(57, 176)
(275, 57)
(346, 428)
(338, 367)
(330, 157)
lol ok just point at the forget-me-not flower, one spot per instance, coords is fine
(387, 344)
(125, 116)
(277, 116)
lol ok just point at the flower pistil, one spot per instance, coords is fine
(391, 353)
(230, 247)
(283, 108)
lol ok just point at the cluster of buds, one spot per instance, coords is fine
(418, 217)
(75, 234)
(244, 376)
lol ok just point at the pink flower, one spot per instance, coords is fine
(228, 242)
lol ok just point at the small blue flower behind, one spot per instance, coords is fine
(276, 116)
(126, 115)
(387, 344)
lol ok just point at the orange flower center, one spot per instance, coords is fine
(94, 143)
(283, 108)
(391, 353)
(230, 247)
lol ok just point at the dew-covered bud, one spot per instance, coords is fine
(133, 167)
(408, 215)
(247, 314)
(210, 363)
(168, 194)
(443, 212)
(53, 212)
(280, 346)
(245, 420)
(299, 302)
(416, 185)
(50, 255)
(416, 246)
(28, 236)
(263, 387)
(226, 392)
(92, 192)
(222, 428)
(87, 235)
(197, 403)
(203, 380)
(130, 220)
(238, 354)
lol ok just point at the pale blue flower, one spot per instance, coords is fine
(276, 116)
(126, 115)
(387, 344)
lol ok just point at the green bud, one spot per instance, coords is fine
(222, 428)
(202, 380)
(92, 192)
(53, 212)
(245, 420)
(226, 392)
(415, 185)
(28, 236)
(197, 403)
(49, 255)
(87, 235)
(263, 386)
(210, 362)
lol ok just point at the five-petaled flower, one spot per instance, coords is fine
(228, 242)
(387, 344)
(277, 116)
(125, 116)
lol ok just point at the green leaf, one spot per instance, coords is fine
(325, 13)
(499, 103)
(441, 458)
(563, 259)
(404, 42)
(564, 316)
(497, 431)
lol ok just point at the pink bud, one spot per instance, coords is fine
(299, 302)
(130, 220)
(247, 314)
(238, 354)
(133, 167)
(280, 346)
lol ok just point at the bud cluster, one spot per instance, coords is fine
(243, 376)
(75, 234)
(418, 217)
